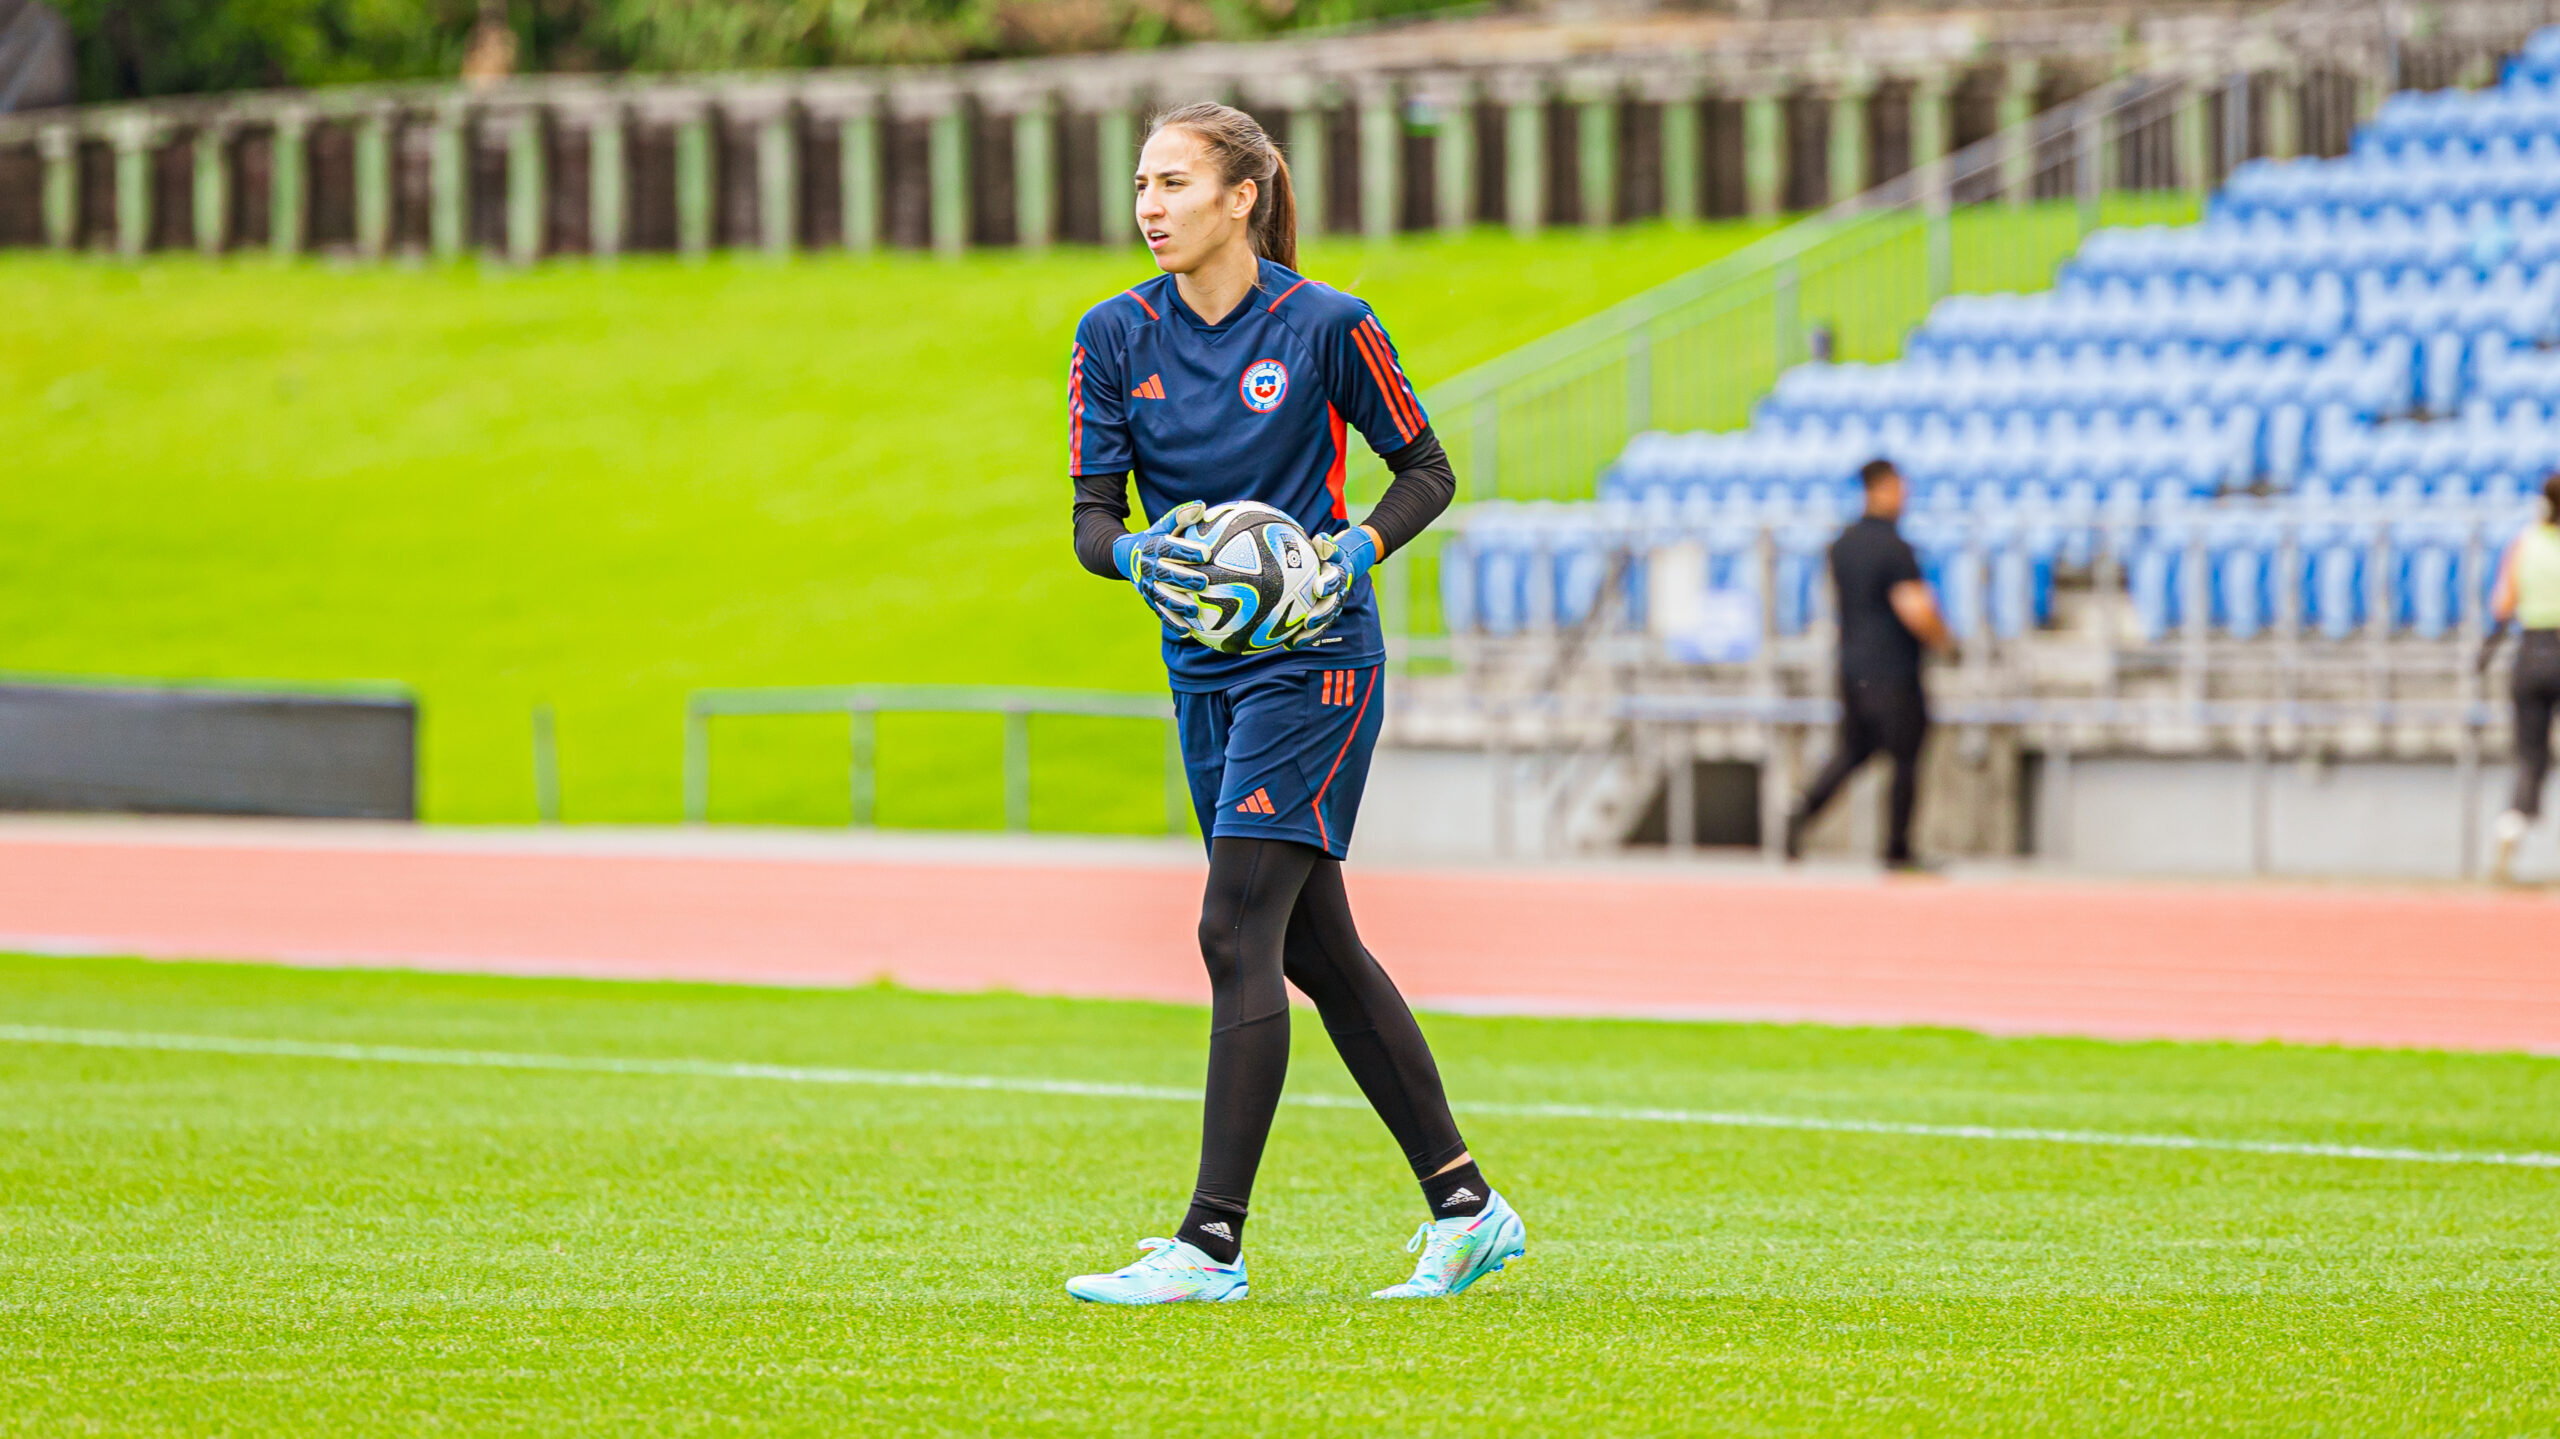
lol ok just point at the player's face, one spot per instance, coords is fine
(1185, 211)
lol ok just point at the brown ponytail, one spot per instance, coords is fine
(1236, 144)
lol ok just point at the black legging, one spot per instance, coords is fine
(1278, 910)
(1887, 715)
(2536, 692)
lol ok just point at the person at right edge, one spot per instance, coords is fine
(1887, 613)
(2528, 595)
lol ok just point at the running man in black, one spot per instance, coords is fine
(1886, 614)
(1231, 377)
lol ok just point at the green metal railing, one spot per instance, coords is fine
(1696, 352)
(864, 704)
(1851, 283)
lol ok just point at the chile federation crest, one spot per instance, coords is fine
(1264, 386)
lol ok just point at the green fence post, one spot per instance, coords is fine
(858, 172)
(2017, 107)
(2284, 115)
(526, 186)
(1681, 193)
(1848, 161)
(1764, 155)
(2195, 166)
(947, 159)
(59, 145)
(697, 763)
(1381, 160)
(1115, 148)
(608, 208)
(449, 182)
(778, 182)
(1596, 149)
(1453, 158)
(1177, 781)
(289, 176)
(1017, 769)
(133, 140)
(1035, 174)
(213, 187)
(546, 765)
(866, 766)
(373, 183)
(1524, 151)
(696, 199)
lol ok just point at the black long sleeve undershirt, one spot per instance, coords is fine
(1423, 486)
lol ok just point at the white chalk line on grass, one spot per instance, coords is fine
(1087, 1089)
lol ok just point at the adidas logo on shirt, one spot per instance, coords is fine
(1458, 1196)
(1258, 802)
(1152, 388)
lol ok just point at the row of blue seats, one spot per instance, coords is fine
(2425, 578)
(1996, 501)
(2371, 378)
(2439, 121)
(2374, 183)
(2243, 312)
(2503, 426)
(2270, 246)
(2428, 588)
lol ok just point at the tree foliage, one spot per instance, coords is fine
(134, 48)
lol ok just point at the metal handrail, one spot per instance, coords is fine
(864, 704)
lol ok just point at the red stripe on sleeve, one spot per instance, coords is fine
(1142, 303)
(1284, 294)
(1377, 372)
(1398, 387)
(1075, 411)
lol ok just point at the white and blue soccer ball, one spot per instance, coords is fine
(1262, 580)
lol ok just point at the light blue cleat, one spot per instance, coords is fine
(1170, 1272)
(1458, 1252)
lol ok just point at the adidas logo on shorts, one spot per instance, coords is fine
(1258, 802)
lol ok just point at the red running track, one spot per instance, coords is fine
(2369, 966)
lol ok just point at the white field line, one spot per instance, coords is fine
(1084, 1089)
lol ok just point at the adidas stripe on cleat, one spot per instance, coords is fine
(1458, 1252)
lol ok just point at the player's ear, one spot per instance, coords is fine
(1240, 204)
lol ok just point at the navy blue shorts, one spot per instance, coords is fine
(1283, 756)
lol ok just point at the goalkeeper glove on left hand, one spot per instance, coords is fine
(1164, 566)
(1345, 557)
(1341, 560)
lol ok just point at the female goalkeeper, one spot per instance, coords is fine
(1231, 377)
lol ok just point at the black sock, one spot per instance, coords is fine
(1218, 1233)
(1459, 1194)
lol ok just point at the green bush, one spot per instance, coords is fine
(134, 48)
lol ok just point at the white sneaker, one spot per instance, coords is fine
(2510, 832)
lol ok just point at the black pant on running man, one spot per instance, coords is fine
(1891, 716)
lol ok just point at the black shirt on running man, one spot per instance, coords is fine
(1867, 561)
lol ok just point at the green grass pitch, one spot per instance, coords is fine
(602, 487)
(242, 1244)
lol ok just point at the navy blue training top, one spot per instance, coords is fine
(1250, 408)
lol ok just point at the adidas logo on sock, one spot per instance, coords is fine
(1219, 1229)
(1459, 1195)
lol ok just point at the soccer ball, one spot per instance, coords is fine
(1262, 579)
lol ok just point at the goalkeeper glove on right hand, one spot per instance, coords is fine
(1166, 567)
